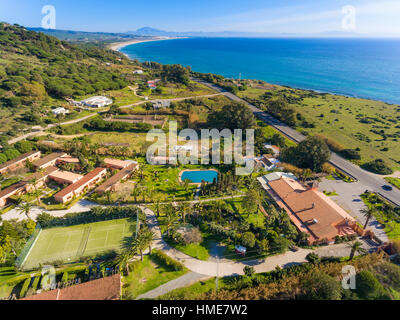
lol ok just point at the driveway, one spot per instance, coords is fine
(349, 199)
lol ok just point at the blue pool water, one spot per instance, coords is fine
(366, 68)
(198, 176)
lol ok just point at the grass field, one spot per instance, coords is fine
(369, 125)
(71, 243)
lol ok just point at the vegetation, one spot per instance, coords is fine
(386, 214)
(319, 280)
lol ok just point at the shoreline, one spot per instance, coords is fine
(117, 46)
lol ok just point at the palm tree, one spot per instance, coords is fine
(34, 182)
(368, 213)
(183, 208)
(25, 208)
(307, 173)
(356, 247)
(170, 220)
(135, 193)
(123, 261)
(150, 236)
(141, 243)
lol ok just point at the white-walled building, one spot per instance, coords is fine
(97, 102)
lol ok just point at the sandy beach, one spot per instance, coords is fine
(118, 45)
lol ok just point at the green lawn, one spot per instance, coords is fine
(385, 215)
(71, 243)
(193, 291)
(146, 275)
(394, 181)
(354, 123)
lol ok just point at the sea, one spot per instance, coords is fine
(363, 68)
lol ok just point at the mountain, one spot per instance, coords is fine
(148, 31)
(38, 71)
(83, 36)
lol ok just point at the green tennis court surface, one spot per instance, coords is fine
(71, 243)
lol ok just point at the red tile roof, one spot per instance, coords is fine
(108, 288)
(72, 187)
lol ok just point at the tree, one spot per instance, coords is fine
(251, 201)
(356, 247)
(311, 153)
(23, 146)
(141, 242)
(170, 221)
(25, 208)
(313, 258)
(249, 271)
(279, 107)
(368, 213)
(368, 286)
(37, 193)
(232, 116)
(248, 239)
(320, 286)
(278, 140)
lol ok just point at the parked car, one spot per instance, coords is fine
(293, 248)
(387, 188)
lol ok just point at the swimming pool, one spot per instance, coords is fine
(197, 176)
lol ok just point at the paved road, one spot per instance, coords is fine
(183, 281)
(371, 181)
(224, 267)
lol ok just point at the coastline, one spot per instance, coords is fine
(117, 46)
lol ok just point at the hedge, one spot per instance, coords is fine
(25, 287)
(162, 258)
(94, 215)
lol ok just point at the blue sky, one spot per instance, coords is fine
(373, 17)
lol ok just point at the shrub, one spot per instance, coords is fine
(165, 260)
(368, 287)
(313, 258)
(377, 166)
(24, 288)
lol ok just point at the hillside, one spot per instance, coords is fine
(38, 71)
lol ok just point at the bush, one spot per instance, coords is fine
(24, 288)
(165, 260)
(313, 258)
(95, 214)
(368, 287)
(377, 166)
(320, 286)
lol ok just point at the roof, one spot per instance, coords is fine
(5, 192)
(21, 157)
(51, 157)
(66, 175)
(72, 187)
(277, 175)
(108, 288)
(319, 213)
(117, 177)
(69, 160)
(40, 175)
(116, 163)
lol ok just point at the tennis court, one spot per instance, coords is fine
(71, 243)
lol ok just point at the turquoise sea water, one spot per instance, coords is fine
(366, 68)
(198, 176)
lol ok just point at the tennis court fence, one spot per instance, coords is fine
(19, 262)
